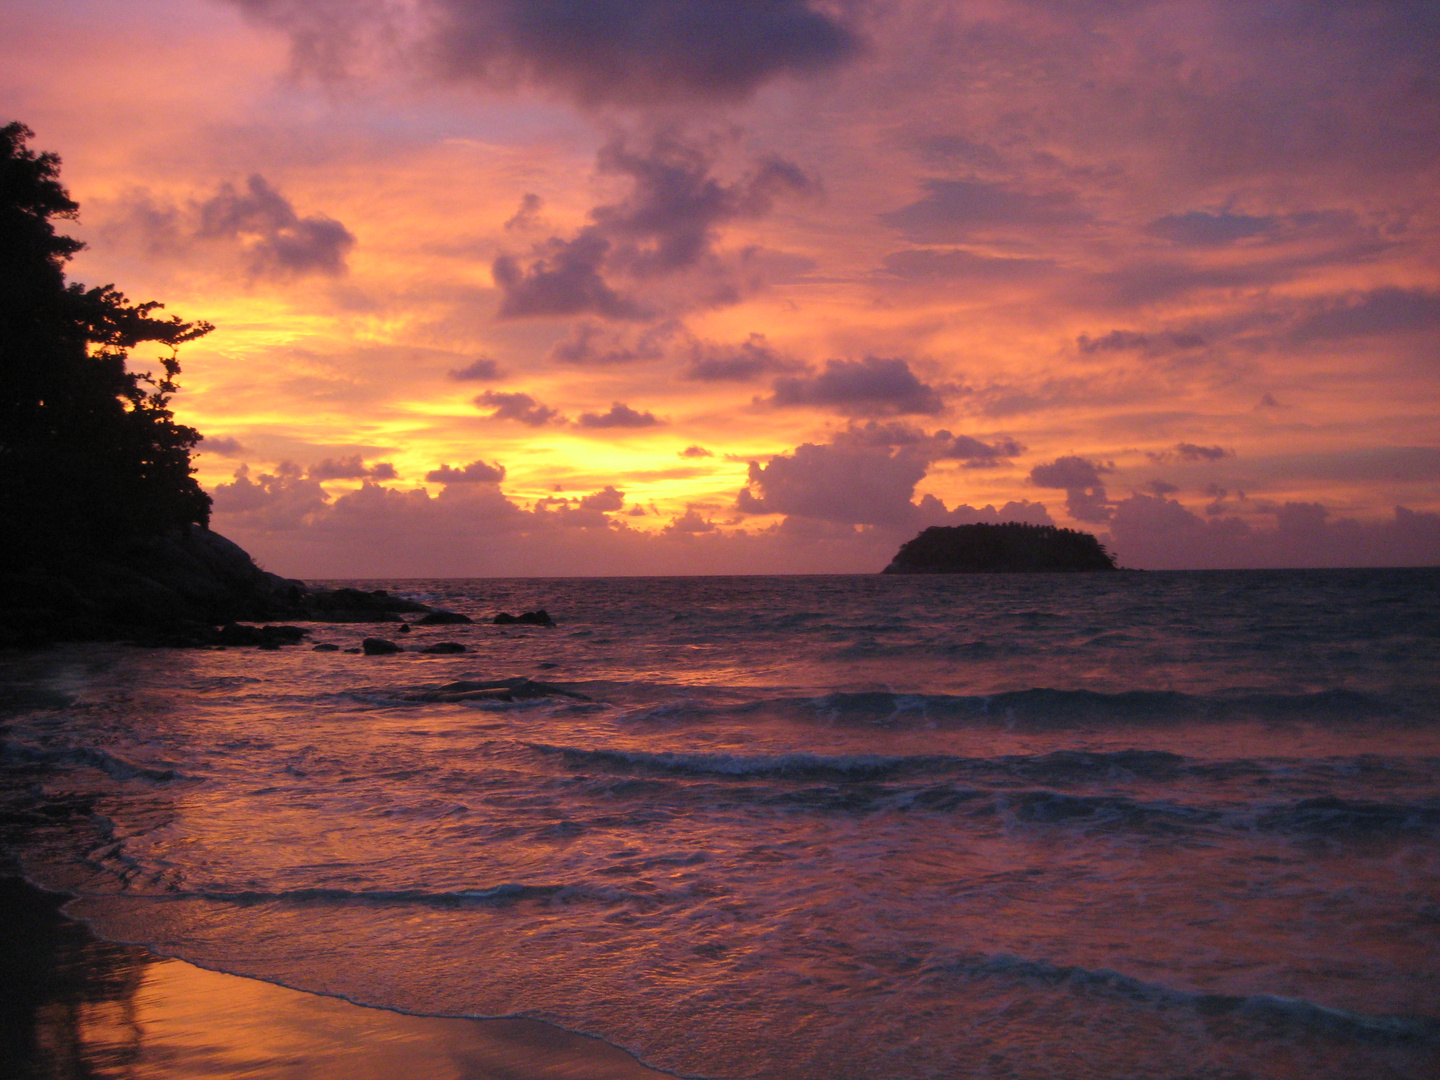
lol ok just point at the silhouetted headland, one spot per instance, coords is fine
(1009, 548)
(104, 532)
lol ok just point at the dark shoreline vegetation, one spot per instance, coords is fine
(104, 534)
(1008, 548)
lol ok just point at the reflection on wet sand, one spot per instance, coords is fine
(76, 1008)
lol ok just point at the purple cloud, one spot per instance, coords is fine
(279, 241)
(516, 406)
(350, 468)
(619, 416)
(477, 472)
(483, 369)
(1085, 496)
(875, 386)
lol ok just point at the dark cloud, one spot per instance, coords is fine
(350, 468)
(1131, 340)
(753, 357)
(619, 416)
(516, 406)
(528, 214)
(279, 242)
(696, 452)
(637, 51)
(676, 204)
(1204, 229)
(1192, 452)
(667, 226)
(564, 278)
(1085, 496)
(483, 369)
(590, 344)
(604, 500)
(1386, 310)
(1199, 228)
(890, 433)
(324, 35)
(954, 210)
(940, 446)
(689, 523)
(222, 445)
(586, 512)
(875, 386)
(629, 52)
(477, 472)
(949, 264)
(976, 454)
(1162, 487)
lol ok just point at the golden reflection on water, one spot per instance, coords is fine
(75, 1008)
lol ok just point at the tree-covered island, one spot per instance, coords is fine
(1008, 548)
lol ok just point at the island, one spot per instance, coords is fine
(1008, 548)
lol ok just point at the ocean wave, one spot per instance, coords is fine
(502, 895)
(1055, 767)
(984, 788)
(1271, 1010)
(116, 767)
(1043, 707)
(1333, 816)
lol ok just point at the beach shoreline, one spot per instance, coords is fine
(73, 1004)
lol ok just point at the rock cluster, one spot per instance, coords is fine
(176, 590)
(527, 618)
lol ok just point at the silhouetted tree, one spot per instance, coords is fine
(91, 458)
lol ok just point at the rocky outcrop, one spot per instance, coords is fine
(528, 618)
(1009, 548)
(175, 590)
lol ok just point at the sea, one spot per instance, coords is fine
(1149, 825)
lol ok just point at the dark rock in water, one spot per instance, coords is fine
(354, 605)
(172, 590)
(443, 618)
(375, 646)
(325, 646)
(444, 647)
(354, 651)
(1000, 549)
(528, 618)
(403, 628)
(266, 637)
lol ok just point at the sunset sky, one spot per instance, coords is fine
(746, 286)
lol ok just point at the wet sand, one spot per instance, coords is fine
(73, 1006)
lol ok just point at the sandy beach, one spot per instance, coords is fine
(72, 1005)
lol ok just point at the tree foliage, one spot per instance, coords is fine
(91, 458)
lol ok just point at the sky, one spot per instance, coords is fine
(571, 287)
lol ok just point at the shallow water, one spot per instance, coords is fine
(1155, 825)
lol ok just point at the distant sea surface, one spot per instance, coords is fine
(1154, 825)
